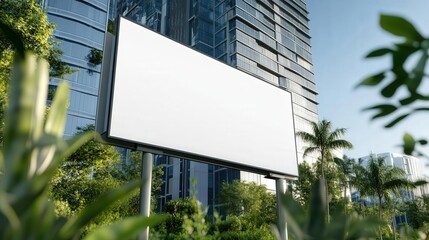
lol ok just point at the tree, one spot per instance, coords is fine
(380, 181)
(302, 187)
(31, 24)
(345, 167)
(250, 201)
(418, 212)
(324, 140)
(130, 170)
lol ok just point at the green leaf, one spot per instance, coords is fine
(410, 99)
(409, 144)
(317, 210)
(390, 89)
(420, 182)
(57, 115)
(396, 120)
(422, 141)
(383, 110)
(379, 52)
(125, 229)
(400, 27)
(372, 80)
(417, 74)
(294, 215)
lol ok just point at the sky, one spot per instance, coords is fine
(343, 32)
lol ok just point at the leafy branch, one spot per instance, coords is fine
(412, 49)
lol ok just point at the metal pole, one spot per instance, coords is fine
(281, 222)
(145, 190)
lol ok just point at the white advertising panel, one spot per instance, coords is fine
(169, 97)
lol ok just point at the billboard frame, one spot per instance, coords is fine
(104, 116)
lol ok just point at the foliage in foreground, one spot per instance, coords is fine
(92, 170)
(312, 225)
(32, 151)
(404, 75)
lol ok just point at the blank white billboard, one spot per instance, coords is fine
(169, 97)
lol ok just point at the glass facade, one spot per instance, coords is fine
(80, 27)
(268, 39)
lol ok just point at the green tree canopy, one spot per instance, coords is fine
(303, 186)
(31, 23)
(418, 212)
(249, 200)
(345, 167)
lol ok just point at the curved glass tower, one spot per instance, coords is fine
(80, 27)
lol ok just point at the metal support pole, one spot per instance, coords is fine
(145, 190)
(281, 222)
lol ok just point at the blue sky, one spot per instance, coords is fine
(343, 32)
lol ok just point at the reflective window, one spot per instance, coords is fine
(83, 103)
(73, 122)
(75, 50)
(78, 29)
(84, 77)
(80, 8)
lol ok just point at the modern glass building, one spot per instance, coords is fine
(268, 39)
(80, 28)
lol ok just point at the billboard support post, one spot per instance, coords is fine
(145, 190)
(281, 222)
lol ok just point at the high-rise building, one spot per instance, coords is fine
(80, 28)
(268, 39)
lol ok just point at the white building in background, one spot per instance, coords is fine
(413, 167)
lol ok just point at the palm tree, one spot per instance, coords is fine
(345, 166)
(324, 140)
(380, 181)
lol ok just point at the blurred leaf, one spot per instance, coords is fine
(422, 142)
(8, 211)
(383, 110)
(302, 226)
(396, 120)
(372, 80)
(409, 144)
(294, 215)
(391, 88)
(408, 100)
(417, 74)
(317, 211)
(125, 229)
(420, 182)
(400, 27)
(379, 52)
(55, 121)
(421, 109)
